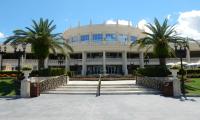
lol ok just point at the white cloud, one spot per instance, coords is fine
(142, 25)
(120, 22)
(189, 24)
(169, 16)
(2, 35)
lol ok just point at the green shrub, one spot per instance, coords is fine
(48, 72)
(153, 71)
(181, 71)
(69, 73)
(193, 73)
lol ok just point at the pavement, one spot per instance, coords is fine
(104, 107)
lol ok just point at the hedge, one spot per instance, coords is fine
(153, 71)
(193, 73)
(50, 72)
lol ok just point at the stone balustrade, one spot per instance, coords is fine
(53, 83)
(152, 82)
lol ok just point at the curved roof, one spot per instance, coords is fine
(103, 28)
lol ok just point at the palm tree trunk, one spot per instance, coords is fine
(41, 64)
(162, 61)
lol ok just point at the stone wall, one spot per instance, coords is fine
(52, 83)
(152, 82)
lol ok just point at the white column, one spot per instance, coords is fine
(46, 62)
(124, 54)
(104, 62)
(66, 63)
(188, 55)
(141, 59)
(23, 58)
(83, 63)
(1, 62)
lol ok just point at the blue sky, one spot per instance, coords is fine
(17, 14)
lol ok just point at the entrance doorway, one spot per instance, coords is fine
(114, 69)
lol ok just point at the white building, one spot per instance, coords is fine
(101, 48)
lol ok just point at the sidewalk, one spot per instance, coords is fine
(105, 107)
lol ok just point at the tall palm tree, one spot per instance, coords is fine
(41, 38)
(159, 37)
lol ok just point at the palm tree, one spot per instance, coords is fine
(159, 37)
(41, 38)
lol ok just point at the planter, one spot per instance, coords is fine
(174, 72)
(26, 74)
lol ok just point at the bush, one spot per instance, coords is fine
(181, 71)
(153, 71)
(48, 72)
(193, 73)
(69, 73)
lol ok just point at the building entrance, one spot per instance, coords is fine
(114, 69)
(94, 69)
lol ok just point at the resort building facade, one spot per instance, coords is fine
(99, 48)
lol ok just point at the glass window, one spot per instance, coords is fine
(110, 37)
(97, 37)
(122, 37)
(133, 38)
(84, 37)
(74, 39)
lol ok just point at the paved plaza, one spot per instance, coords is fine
(105, 107)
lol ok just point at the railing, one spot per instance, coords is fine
(53, 83)
(99, 87)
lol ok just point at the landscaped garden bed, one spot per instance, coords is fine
(192, 86)
(7, 87)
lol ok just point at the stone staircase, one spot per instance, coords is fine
(107, 88)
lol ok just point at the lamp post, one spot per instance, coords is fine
(2, 52)
(180, 51)
(61, 60)
(146, 60)
(19, 53)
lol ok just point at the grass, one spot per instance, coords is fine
(7, 87)
(193, 86)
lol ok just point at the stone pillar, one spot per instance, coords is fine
(176, 87)
(141, 59)
(25, 89)
(66, 63)
(124, 56)
(104, 62)
(46, 62)
(188, 55)
(83, 63)
(25, 85)
(1, 62)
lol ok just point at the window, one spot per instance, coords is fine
(97, 37)
(110, 37)
(84, 37)
(122, 37)
(133, 38)
(74, 39)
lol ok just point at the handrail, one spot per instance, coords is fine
(99, 87)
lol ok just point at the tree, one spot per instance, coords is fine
(41, 38)
(159, 37)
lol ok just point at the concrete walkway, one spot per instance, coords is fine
(105, 107)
